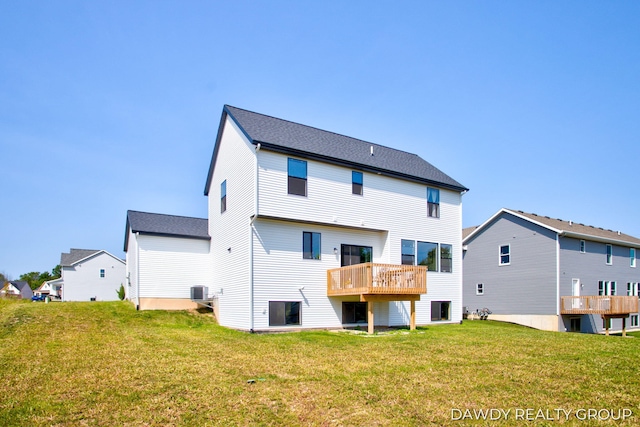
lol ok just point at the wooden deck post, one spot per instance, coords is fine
(606, 325)
(412, 322)
(624, 326)
(370, 317)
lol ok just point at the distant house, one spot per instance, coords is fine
(551, 274)
(18, 288)
(166, 256)
(91, 275)
(52, 288)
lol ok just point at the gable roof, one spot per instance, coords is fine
(565, 228)
(166, 225)
(75, 255)
(19, 284)
(305, 141)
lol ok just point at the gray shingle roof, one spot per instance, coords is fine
(75, 255)
(166, 225)
(289, 137)
(563, 227)
(19, 284)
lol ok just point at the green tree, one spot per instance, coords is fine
(57, 271)
(32, 278)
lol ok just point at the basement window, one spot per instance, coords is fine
(282, 313)
(440, 310)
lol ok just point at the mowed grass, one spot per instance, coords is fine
(105, 364)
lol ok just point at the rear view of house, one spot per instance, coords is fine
(90, 275)
(312, 229)
(552, 274)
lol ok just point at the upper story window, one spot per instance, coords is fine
(582, 246)
(632, 257)
(433, 202)
(631, 288)
(356, 183)
(606, 288)
(480, 289)
(297, 177)
(505, 255)
(428, 255)
(223, 196)
(609, 254)
(445, 258)
(102, 272)
(408, 252)
(310, 245)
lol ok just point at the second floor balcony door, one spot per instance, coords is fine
(353, 254)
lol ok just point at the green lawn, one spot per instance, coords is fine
(104, 364)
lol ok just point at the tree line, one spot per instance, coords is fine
(34, 278)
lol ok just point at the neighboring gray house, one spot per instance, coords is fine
(551, 274)
(166, 256)
(18, 287)
(91, 275)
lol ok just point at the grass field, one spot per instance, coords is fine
(104, 364)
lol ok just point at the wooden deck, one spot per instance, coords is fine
(379, 282)
(606, 305)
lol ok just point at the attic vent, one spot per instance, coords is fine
(372, 150)
(570, 222)
(619, 233)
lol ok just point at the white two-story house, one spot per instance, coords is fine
(312, 229)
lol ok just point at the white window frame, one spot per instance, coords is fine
(633, 321)
(632, 257)
(583, 247)
(609, 251)
(103, 273)
(479, 288)
(613, 288)
(500, 255)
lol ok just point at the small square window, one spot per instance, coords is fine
(102, 272)
(356, 183)
(505, 255)
(310, 245)
(582, 246)
(609, 255)
(433, 202)
(480, 289)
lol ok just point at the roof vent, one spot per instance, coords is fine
(570, 222)
(372, 150)
(619, 233)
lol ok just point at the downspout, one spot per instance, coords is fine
(137, 272)
(558, 277)
(254, 216)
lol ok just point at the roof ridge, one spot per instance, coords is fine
(324, 130)
(160, 214)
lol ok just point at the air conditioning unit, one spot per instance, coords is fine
(199, 293)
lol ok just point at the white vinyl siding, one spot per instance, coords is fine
(82, 281)
(231, 231)
(170, 266)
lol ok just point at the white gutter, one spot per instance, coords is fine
(137, 272)
(256, 208)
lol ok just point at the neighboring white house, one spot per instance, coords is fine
(166, 256)
(91, 275)
(17, 288)
(288, 203)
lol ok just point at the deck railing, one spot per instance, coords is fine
(372, 278)
(604, 304)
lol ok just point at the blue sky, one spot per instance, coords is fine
(109, 106)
